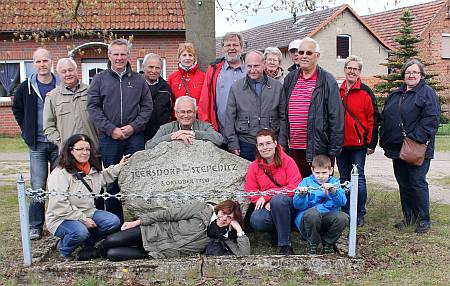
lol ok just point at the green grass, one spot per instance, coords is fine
(442, 143)
(12, 145)
(444, 129)
(443, 181)
(392, 257)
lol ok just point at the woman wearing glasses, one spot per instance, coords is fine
(177, 231)
(71, 213)
(413, 111)
(273, 170)
(272, 59)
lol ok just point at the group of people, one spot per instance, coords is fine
(292, 126)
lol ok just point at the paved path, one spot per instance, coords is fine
(378, 170)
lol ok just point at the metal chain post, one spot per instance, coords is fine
(24, 220)
(353, 211)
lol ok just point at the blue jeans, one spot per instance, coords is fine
(277, 221)
(74, 233)
(345, 162)
(112, 152)
(247, 151)
(42, 154)
(414, 193)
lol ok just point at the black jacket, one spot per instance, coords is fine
(420, 112)
(25, 107)
(162, 108)
(116, 102)
(325, 115)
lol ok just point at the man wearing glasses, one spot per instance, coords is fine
(186, 128)
(315, 118)
(293, 53)
(361, 118)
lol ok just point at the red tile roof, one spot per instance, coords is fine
(387, 24)
(33, 15)
(281, 33)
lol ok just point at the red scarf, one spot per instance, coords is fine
(85, 168)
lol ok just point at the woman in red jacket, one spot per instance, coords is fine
(188, 79)
(273, 170)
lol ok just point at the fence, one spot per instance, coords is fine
(41, 195)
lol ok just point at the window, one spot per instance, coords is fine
(163, 72)
(445, 46)
(343, 44)
(12, 73)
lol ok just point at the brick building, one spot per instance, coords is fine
(432, 25)
(155, 26)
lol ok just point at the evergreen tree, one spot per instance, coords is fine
(407, 49)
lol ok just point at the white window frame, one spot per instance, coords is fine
(85, 68)
(163, 72)
(444, 35)
(349, 46)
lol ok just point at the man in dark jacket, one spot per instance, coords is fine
(361, 118)
(255, 102)
(28, 108)
(314, 110)
(161, 94)
(120, 104)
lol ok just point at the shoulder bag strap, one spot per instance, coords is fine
(185, 85)
(353, 115)
(80, 176)
(269, 175)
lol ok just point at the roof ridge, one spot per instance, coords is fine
(402, 8)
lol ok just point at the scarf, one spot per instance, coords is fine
(85, 168)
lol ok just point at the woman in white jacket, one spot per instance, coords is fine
(74, 218)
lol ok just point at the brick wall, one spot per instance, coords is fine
(165, 45)
(430, 49)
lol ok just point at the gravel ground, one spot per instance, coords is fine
(378, 170)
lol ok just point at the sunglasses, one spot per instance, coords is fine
(308, 53)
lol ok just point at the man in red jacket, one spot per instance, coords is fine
(221, 74)
(361, 120)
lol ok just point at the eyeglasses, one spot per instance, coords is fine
(308, 53)
(232, 46)
(265, 144)
(352, 69)
(272, 60)
(293, 51)
(414, 73)
(82, 149)
(185, 112)
(224, 216)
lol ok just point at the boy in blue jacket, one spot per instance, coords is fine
(319, 199)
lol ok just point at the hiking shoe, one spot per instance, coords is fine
(312, 249)
(285, 250)
(400, 225)
(423, 227)
(35, 233)
(360, 222)
(328, 248)
(88, 253)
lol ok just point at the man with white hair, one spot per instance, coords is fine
(65, 110)
(28, 110)
(186, 127)
(315, 117)
(161, 95)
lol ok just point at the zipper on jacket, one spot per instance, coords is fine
(357, 132)
(121, 107)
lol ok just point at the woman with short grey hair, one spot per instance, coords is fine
(272, 59)
(411, 112)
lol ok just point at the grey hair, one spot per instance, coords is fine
(65, 61)
(275, 51)
(411, 62)
(353, 58)
(120, 42)
(230, 35)
(152, 56)
(183, 98)
(255, 52)
(50, 55)
(311, 40)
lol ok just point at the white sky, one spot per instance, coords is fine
(362, 7)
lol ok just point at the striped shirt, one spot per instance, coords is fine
(298, 108)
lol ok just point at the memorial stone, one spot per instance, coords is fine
(174, 173)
